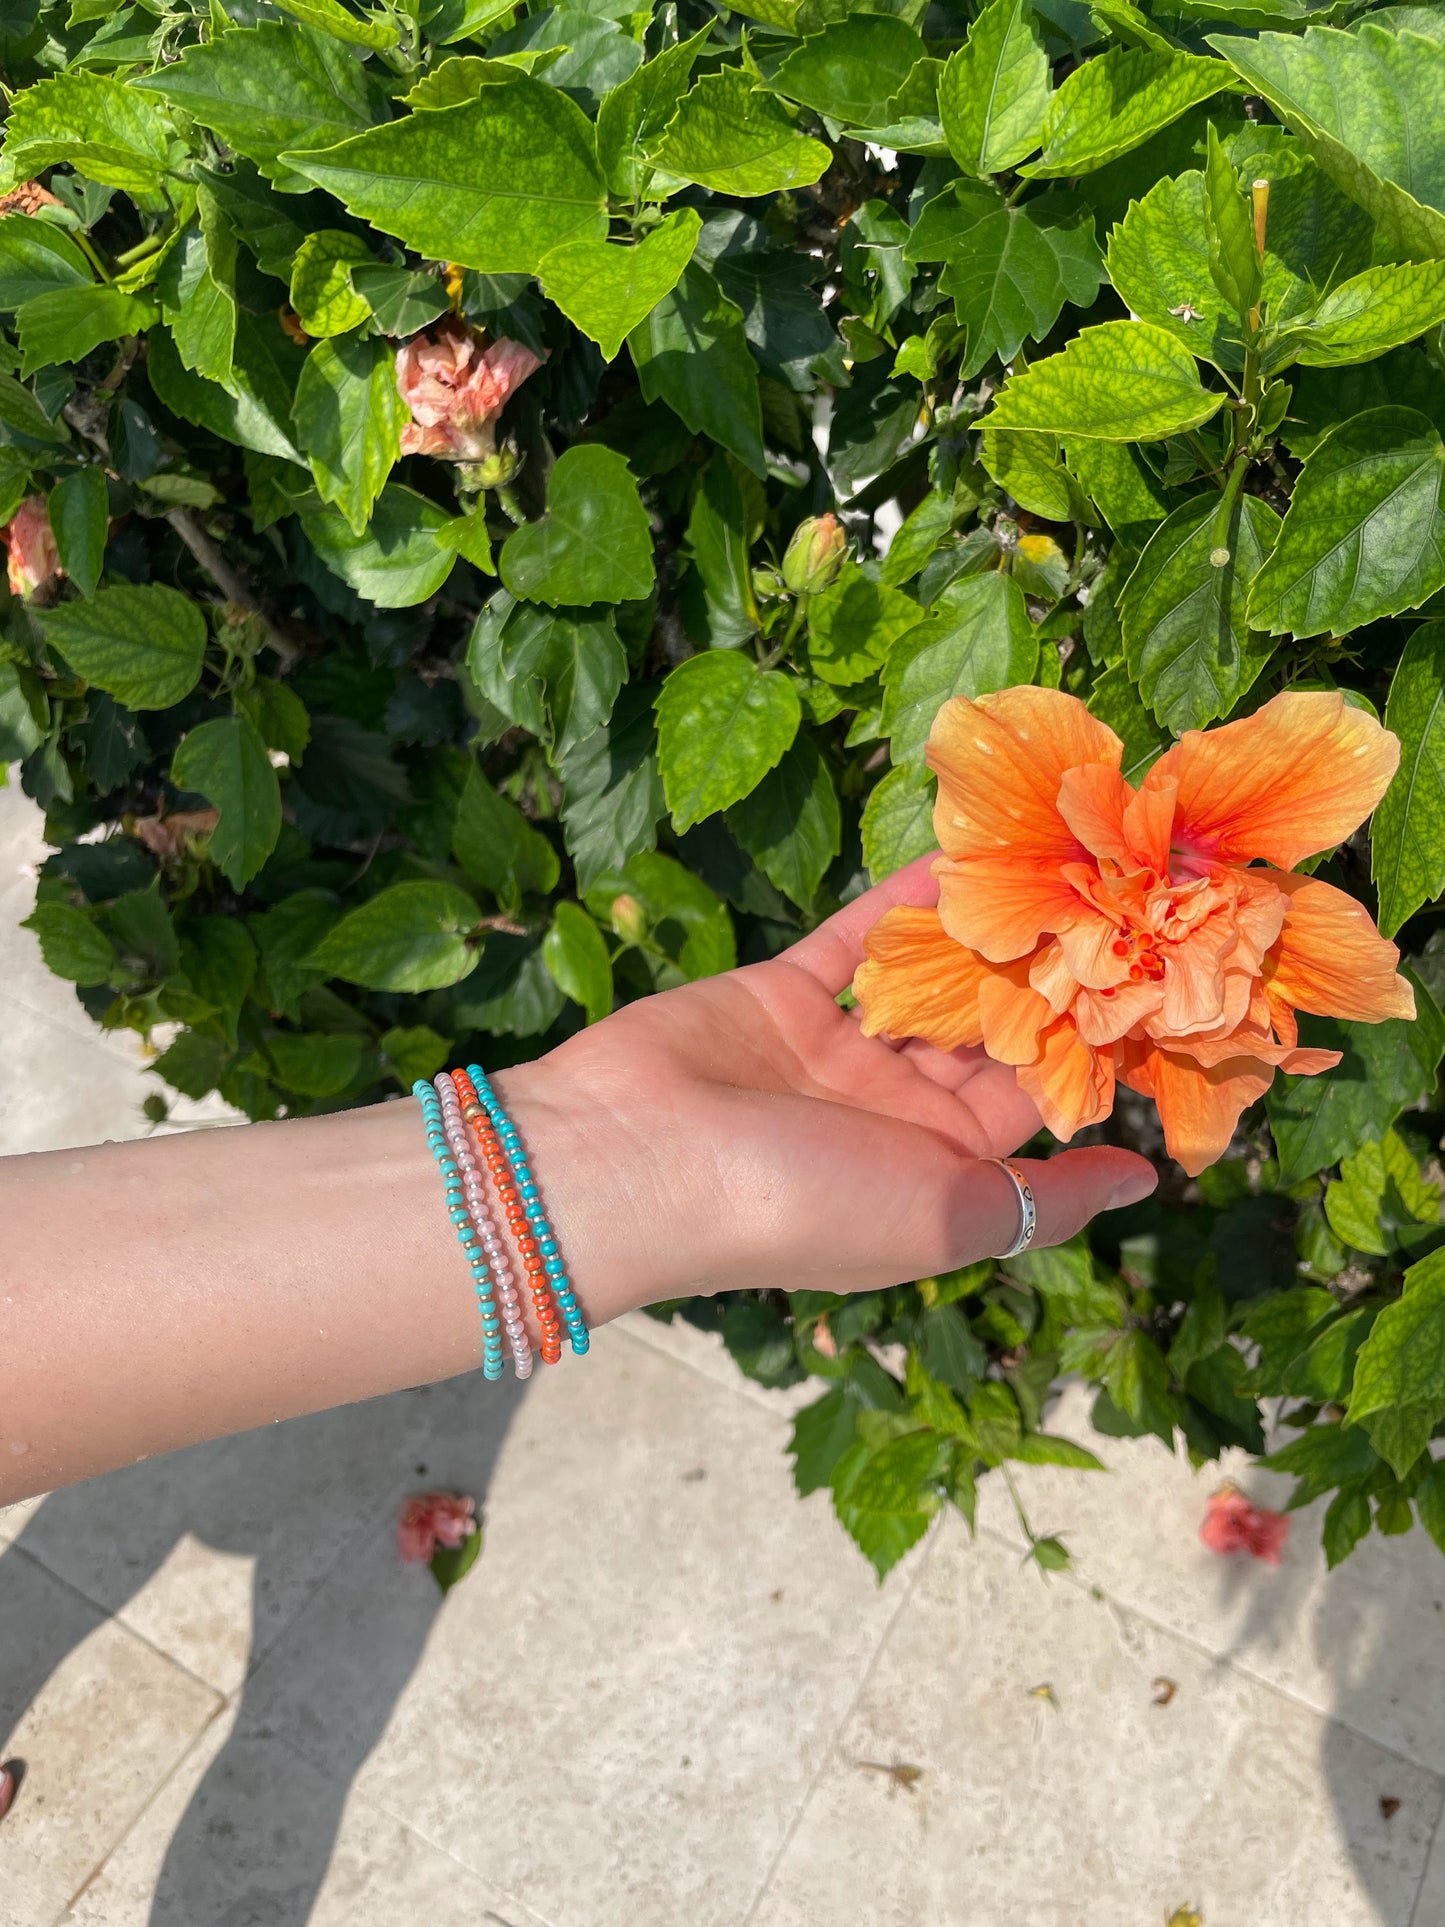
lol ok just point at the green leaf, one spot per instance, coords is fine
(791, 825)
(994, 92)
(497, 847)
(980, 640)
(1385, 1067)
(634, 116)
(1399, 1390)
(1376, 311)
(722, 724)
(226, 761)
(258, 214)
(1159, 263)
(37, 257)
(72, 944)
(1027, 466)
(1043, 1448)
(886, 1496)
(314, 1065)
(412, 936)
(142, 645)
(1380, 1189)
(401, 300)
(1323, 1457)
(1187, 643)
(607, 290)
(449, 1565)
(1366, 102)
(1364, 535)
(329, 16)
(512, 993)
(1116, 102)
(196, 286)
(1407, 832)
(719, 543)
(897, 823)
(575, 952)
(822, 1433)
(1234, 261)
(557, 675)
(267, 90)
(414, 1051)
(1346, 1521)
(692, 353)
(349, 417)
(594, 544)
(67, 323)
(612, 793)
(398, 561)
(467, 536)
(735, 138)
(24, 714)
(1430, 1502)
(102, 129)
(495, 183)
(256, 410)
(854, 623)
(1123, 381)
(853, 68)
(80, 516)
(322, 294)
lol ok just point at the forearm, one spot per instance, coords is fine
(157, 1293)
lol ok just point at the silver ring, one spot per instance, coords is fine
(1028, 1216)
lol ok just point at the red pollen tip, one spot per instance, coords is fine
(1136, 975)
(1119, 947)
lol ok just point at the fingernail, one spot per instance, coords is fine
(1131, 1189)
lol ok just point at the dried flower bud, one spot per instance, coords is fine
(456, 388)
(814, 555)
(33, 559)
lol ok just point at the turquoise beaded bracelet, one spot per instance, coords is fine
(466, 1229)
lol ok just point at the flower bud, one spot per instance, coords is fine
(494, 472)
(767, 585)
(628, 919)
(32, 557)
(815, 555)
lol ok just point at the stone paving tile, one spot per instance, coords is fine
(623, 1706)
(98, 1717)
(1097, 1808)
(308, 1855)
(704, 1352)
(1365, 1643)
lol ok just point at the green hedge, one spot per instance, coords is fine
(369, 737)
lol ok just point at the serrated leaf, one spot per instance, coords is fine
(1234, 259)
(1123, 381)
(266, 90)
(411, 936)
(735, 138)
(226, 762)
(315, 1064)
(791, 825)
(1366, 102)
(1188, 645)
(1028, 468)
(73, 945)
(349, 418)
(91, 123)
(632, 119)
(897, 1506)
(497, 847)
(255, 412)
(994, 91)
(196, 288)
(1399, 1390)
(397, 561)
(261, 218)
(852, 70)
(607, 290)
(322, 293)
(822, 1433)
(612, 794)
(692, 352)
(854, 622)
(1376, 311)
(1364, 535)
(494, 184)
(1380, 1186)
(979, 640)
(65, 325)
(329, 16)
(1407, 831)
(722, 724)
(897, 822)
(37, 257)
(141, 644)
(1013, 274)
(80, 517)
(593, 544)
(575, 952)
(1115, 102)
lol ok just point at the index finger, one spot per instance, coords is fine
(833, 952)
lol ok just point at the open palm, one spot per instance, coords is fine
(756, 1137)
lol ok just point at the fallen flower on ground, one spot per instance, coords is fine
(1233, 1523)
(1090, 933)
(433, 1519)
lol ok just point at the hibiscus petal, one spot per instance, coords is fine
(1294, 778)
(1071, 1085)
(917, 982)
(1199, 1105)
(1013, 1017)
(1330, 958)
(1001, 909)
(1109, 817)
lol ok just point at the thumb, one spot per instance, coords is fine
(1068, 1190)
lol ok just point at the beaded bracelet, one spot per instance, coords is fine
(497, 1260)
(505, 1184)
(467, 1209)
(540, 1252)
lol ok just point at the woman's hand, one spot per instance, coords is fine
(742, 1131)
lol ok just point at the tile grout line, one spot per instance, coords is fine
(83, 1032)
(1429, 1856)
(1090, 1589)
(830, 1745)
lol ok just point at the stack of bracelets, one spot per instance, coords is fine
(456, 1102)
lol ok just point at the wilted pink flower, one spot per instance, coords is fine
(167, 836)
(433, 1519)
(455, 389)
(1232, 1523)
(34, 559)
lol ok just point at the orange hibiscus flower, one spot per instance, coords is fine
(1091, 933)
